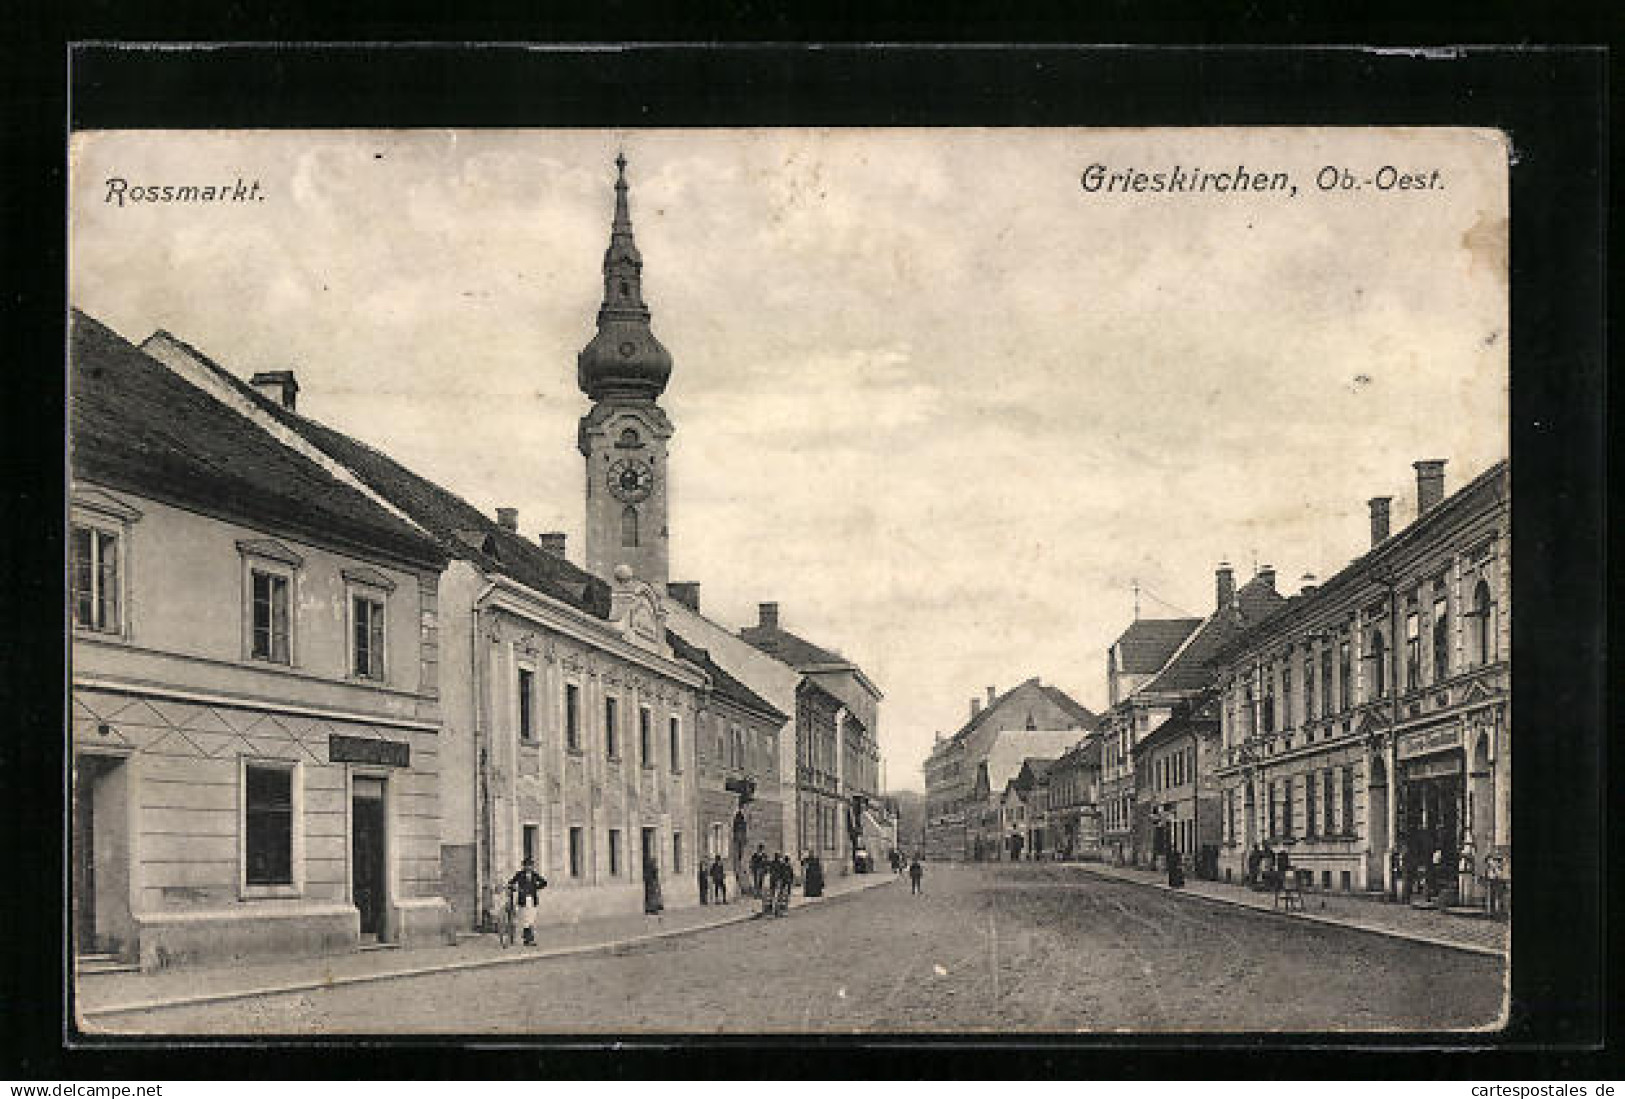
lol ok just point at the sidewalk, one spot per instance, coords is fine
(1478, 935)
(102, 994)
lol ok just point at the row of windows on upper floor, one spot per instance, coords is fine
(1173, 768)
(1423, 665)
(97, 579)
(526, 712)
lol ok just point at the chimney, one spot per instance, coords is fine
(687, 593)
(990, 695)
(508, 518)
(767, 616)
(1379, 518)
(551, 540)
(1267, 575)
(975, 707)
(1224, 583)
(279, 385)
(1308, 585)
(1429, 483)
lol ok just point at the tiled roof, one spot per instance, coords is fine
(1086, 718)
(1191, 668)
(1147, 644)
(785, 646)
(1202, 717)
(722, 683)
(138, 426)
(1082, 755)
(460, 527)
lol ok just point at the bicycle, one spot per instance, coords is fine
(507, 922)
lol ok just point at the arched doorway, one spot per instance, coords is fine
(1376, 823)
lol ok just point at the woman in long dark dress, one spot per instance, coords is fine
(652, 900)
(812, 877)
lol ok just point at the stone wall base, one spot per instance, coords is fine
(458, 876)
(249, 933)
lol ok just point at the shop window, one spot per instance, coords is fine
(94, 579)
(269, 821)
(572, 717)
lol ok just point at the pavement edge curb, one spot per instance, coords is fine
(291, 987)
(1409, 936)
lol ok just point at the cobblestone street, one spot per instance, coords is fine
(998, 948)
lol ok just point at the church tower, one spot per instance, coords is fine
(623, 438)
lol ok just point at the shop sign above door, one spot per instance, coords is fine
(1428, 740)
(355, 749)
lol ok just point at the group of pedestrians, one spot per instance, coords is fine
(1267, 868)
(772, 878)
(901, 863)
(713, 881)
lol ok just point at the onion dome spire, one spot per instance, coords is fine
(624, 359)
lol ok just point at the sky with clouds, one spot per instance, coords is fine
(932, 397)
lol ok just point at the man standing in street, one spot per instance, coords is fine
(915, 873)
(758, 867)
(526, 887)
(719, 881)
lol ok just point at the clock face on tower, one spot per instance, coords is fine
(631, 479)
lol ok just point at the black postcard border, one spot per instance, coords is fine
(1549, 100)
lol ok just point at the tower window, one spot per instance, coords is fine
(626, 289)
(629, 526)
